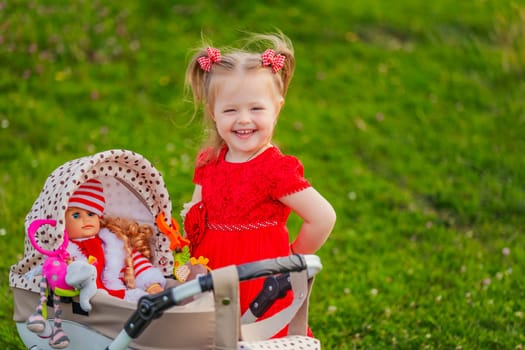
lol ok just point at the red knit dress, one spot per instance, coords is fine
(240, 218)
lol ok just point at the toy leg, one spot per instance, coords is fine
(59, 338)
(37, 322)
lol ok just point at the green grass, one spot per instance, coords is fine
(408, 116)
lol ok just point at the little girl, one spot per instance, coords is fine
(245, 188)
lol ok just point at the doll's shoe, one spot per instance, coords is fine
(59, 339)
(134, 294)
(36, 323)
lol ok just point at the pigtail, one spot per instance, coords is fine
(195, 79)
(197, 85)
(281, 45)
(288, 69)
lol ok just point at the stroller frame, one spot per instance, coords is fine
(152, 307)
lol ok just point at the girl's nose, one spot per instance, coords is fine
(243, 118)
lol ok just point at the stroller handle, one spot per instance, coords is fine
(152, 306)
(267, 267)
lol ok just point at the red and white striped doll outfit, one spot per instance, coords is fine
(145, 273)
(114, 257)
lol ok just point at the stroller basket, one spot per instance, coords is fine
(222, 285)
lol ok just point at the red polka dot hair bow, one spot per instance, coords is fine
(214, 56)
(269, 58)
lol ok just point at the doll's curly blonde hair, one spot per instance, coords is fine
(135, 236)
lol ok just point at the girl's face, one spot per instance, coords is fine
(245, 110)
(81, 223)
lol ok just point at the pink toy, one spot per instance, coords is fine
(54, 272)
(55, 266)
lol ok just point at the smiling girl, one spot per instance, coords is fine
(245, 187)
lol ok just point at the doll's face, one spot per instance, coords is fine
(81, 223)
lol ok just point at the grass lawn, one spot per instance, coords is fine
(408, 116)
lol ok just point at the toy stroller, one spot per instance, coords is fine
(199, 314)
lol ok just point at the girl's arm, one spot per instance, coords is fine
(318, 219)
(195, 198)
(197, 194)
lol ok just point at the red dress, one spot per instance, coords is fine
(240, 218)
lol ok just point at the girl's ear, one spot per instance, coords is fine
(280, 106)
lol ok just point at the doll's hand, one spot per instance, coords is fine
(154, 289)
(82, 276)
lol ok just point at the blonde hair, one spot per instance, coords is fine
(247, 58)
(135, 236)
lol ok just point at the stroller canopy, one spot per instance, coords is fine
(133, 189)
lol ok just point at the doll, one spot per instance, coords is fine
(119, 247)
(109, 255)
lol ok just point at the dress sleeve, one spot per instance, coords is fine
(288, 177)
(199, 167)
(197, 175)
(206, 156)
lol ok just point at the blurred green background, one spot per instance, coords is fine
(408, 116)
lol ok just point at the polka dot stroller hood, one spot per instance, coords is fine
(134, 189)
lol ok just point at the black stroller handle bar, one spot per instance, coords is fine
(262, 268)
(151, 307)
